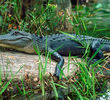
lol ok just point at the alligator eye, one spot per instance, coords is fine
(19, 33)
(16, 33)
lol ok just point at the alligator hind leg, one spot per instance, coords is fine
(96, 48)
(57, 57)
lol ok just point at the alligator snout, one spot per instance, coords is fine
(17, 40)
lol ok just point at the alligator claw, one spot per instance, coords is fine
(57, 76)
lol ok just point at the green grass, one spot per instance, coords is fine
(43, 20)
(85, 86)
(82, 85)
(3, 85)
(40, 20)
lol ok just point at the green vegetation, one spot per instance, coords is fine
(43, 20)
(83, 85)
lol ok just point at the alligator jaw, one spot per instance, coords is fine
(17, 40)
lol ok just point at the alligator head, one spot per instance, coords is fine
(18, 40)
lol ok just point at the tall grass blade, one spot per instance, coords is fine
(93, 84)
(95, 53)
(43, 87)
(78, 93)
(4, 88)
(54, 88)
(0, 77)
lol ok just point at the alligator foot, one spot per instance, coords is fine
(57, 76)
(94, 61)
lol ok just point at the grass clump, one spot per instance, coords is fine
(83, 85)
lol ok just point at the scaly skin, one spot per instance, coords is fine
(18, 40)
(57, 45)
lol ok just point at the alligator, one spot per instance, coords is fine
(57, 45)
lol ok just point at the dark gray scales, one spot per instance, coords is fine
(63, 44)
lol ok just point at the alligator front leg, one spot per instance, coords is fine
(58, 58)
